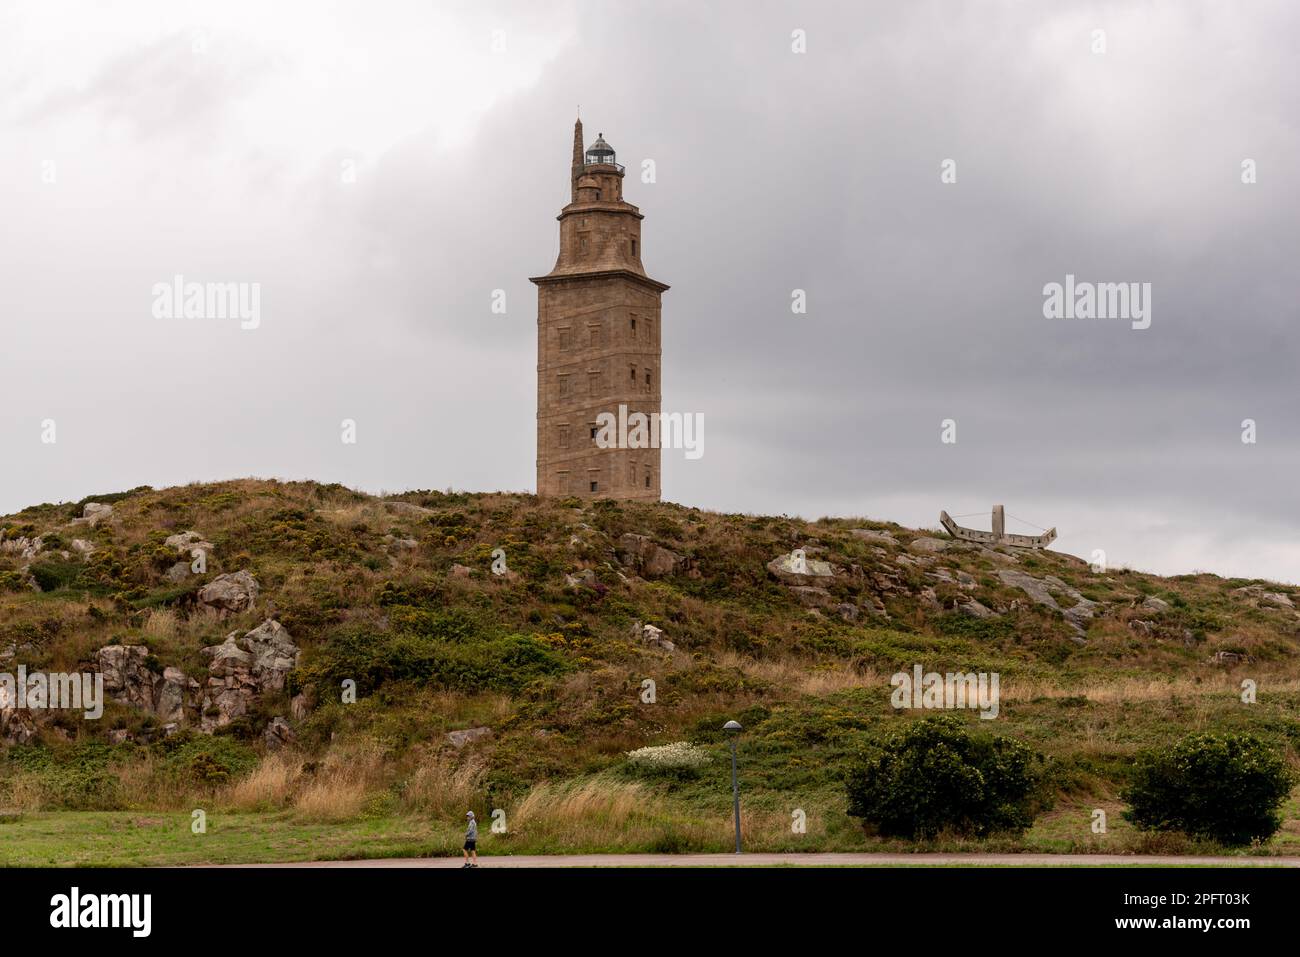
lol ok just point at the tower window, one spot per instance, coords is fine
(595, 486)
(634, 247)
(564, 436)
(594, 430)
(647, 479)
(566, 386)
(633, 370)
(593, 331)
(566, 339)
(634, 327)
(647, 379)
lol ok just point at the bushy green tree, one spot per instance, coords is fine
(935, 775)
(1228, 787)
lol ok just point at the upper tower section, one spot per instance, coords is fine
(599, 232)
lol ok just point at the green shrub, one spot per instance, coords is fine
(1228, 787)
(55, 573)
(935, 776)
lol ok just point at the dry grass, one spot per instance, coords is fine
(161, 625)
(439, 786)
(341, 786)
(271, 785)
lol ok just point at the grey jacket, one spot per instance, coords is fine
(471, 832)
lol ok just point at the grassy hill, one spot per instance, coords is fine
(399, 595)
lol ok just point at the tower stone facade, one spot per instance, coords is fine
(598, 338)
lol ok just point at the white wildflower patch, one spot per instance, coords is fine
(678, 756)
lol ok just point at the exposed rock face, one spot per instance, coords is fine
(810, 596)
(462, 738)
(229, 594)
(1158, 605)
(82, 547)
(647, 558)
(975, 609)
(274, 654)
(25, 548)
(239, 669)
(871, 535)
(928, 546)
(128, 680)
(1041, 592)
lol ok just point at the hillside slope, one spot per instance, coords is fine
(230, 682)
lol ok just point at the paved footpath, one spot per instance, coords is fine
(814, 860)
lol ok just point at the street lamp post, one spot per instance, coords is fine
(733, 728)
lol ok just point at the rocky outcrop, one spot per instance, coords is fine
(241, 668)
(1041, 591)
(647, 558)
(94, 513)
(229, 594)
(186, 543)
(25, 548)
(926, 545)
(129, 679)
(797, 569)
(274, 654)
(871, 535)
(652, 636)
(1259, 597)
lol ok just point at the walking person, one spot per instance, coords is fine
(471, 840)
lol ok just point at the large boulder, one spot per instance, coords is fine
(229, 594)
(127, 678)
(652, 636)
(186, 543)
(278, 733)
(93, 513)
(274, 654)
(461, 738)
(649, 559)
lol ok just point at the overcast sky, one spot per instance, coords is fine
(380, 169)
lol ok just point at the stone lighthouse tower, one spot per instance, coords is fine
(598, 339)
